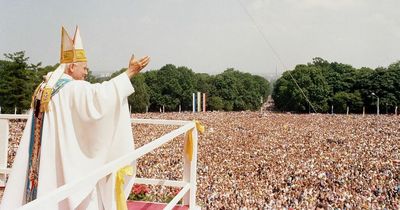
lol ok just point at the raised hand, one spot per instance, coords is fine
(136, 66)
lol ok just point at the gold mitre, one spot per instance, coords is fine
(72, 49)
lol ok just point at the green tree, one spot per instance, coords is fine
(288, 97)
(342, 100)
(215, 103)
(171, 86)
(240, 91)
(140, 100)
(17, 82)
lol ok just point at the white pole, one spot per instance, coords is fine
(377, 106)
(347, 110)
(160, 110)
(194, 103)
(0, 109)
(147, 109)
(395, 110)
(332, 109)
(198, 102)
(130, 109)
(204, 102)
(163, 109)
(363, 111)
(179, 108)
(15, 110)
(189, 171)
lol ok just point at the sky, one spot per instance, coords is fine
(263, 37)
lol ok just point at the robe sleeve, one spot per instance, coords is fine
(96, 112)
(94, 101)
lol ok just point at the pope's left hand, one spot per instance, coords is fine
(136, 66)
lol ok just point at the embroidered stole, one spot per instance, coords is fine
(36, 139)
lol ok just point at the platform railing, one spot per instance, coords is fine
(188, 184)
(4, 136)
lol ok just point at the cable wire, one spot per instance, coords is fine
(274, 51)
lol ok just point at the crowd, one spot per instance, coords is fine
(252, 160)
(15, 132)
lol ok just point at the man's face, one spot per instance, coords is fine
(78, 70)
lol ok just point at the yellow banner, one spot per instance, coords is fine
(189, 143)
(119, 186)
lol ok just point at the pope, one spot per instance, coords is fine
(74, 128)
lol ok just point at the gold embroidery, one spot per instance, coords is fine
(45, 100)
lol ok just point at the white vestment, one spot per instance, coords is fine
(88, 125)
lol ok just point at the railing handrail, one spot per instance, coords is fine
(158, 121)
(14, 116)
(66, 190)
(133, 120)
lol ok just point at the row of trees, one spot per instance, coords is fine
(339, 85)
(325, 85)
(169, 86)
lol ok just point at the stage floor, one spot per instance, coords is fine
(140, 205)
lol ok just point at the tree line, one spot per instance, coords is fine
(331, 84)
(169, 86)
(325, 84)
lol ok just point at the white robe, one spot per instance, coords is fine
(88, 125)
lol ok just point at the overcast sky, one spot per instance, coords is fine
(207, 35)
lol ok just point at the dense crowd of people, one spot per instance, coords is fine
(252, 160)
